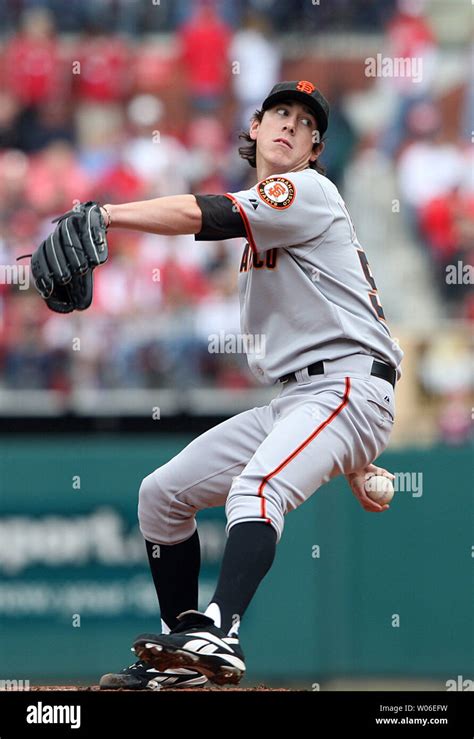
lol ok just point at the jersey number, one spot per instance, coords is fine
(373, 293)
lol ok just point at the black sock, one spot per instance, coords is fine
(175, 572)
(249, 554)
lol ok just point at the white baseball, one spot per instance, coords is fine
(380, 489)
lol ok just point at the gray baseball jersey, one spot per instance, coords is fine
(305, 283)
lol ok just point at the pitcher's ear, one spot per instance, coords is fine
(253, 130)
(317, 151)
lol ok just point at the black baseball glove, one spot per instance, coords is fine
(62, 265)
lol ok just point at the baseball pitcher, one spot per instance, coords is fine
(306, 287)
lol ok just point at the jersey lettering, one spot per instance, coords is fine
(244, 264)
(249, 259)
(373, 293)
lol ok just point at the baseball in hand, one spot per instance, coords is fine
(380, 489)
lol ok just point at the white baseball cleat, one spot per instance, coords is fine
(195, 643)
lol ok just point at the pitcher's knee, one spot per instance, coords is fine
(246, 502)
(160, 520)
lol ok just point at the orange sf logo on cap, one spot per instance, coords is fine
(305, 86)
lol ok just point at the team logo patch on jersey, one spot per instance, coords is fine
(278, 192)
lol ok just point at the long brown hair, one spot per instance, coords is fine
(249, 152)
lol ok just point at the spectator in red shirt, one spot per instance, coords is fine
(153, 68)
(411, 42)
(447, 223)
(205, 42)
(121, 181)
(32, 68)
(103, 72)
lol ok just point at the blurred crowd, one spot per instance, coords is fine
(135, 17)
(87, 114)
(434, 162)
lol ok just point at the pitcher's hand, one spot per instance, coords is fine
(357, 481)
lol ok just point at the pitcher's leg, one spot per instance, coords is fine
(249, 554)
(175, 577)
(325, 434)
(198, 477)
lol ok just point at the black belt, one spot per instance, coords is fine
(379, 369)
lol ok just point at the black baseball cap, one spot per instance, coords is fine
(304, 92)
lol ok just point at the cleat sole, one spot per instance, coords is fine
(163, 657)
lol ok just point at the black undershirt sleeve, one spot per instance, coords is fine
(220, 218)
